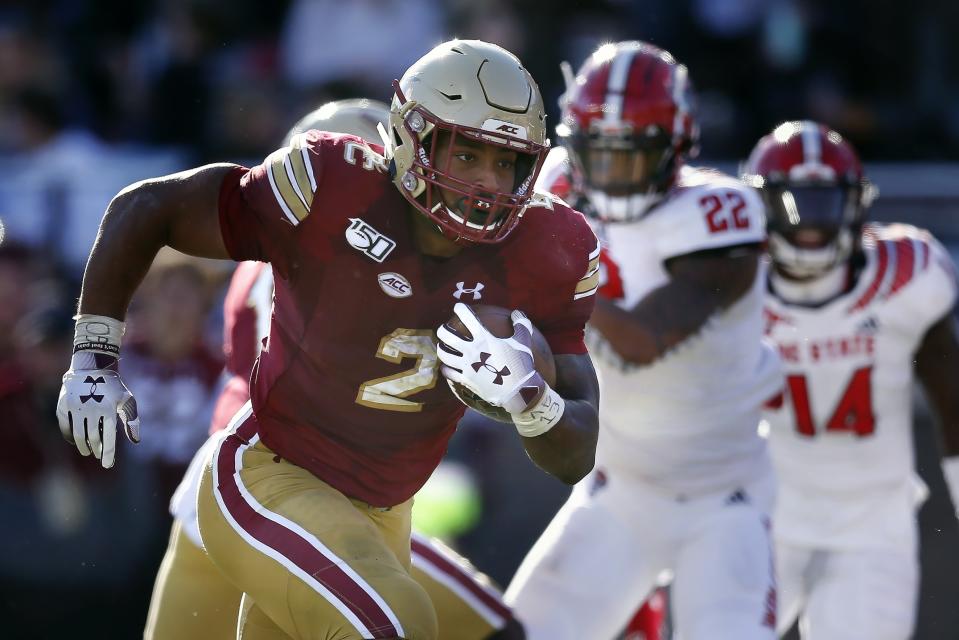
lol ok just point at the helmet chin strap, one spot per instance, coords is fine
(811, 291)
(622, 208)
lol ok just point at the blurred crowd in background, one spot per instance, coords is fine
(97, 94)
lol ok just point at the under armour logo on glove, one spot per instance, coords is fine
(93, 382)
(514, 382)
(92, 428)
(483, 364)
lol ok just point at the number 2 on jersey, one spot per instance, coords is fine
(724, 210)
(389, 392)
(853, 413)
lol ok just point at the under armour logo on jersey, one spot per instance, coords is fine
(93, 382)
(461, 291)
(483, 364)
(374, 244)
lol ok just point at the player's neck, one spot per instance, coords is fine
(429, 240)
(812, 292)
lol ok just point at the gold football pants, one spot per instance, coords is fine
(193, 599)
(315, 563)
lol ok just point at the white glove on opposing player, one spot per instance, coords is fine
(94, 402)
(501, 371)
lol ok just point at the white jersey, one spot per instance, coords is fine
(687, 422)
(842, 437)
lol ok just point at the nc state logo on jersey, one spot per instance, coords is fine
(365, 238)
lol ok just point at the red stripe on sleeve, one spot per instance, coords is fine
(873, 289)
(905, 265)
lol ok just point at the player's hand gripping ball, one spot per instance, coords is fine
(494, 360)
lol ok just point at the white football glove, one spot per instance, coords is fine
(500, 371)
(94, 402)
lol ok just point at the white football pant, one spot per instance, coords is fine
(599, 559)
(848, 595)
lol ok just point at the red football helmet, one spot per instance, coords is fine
(815, 193)
(627, 125)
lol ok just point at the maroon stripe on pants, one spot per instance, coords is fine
(290, 544)
(455, 571)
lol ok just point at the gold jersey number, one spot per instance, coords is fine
(390, 392)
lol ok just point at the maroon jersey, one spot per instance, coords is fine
(246, 314)
(348, 384)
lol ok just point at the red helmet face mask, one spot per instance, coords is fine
(815, 194)
(627, 125)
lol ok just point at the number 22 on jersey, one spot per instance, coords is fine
(853, 413)
(724, 211)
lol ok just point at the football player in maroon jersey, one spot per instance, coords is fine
(305, 504)
(192, 600)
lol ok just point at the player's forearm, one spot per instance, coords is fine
(937, 367)
(700, 285)
(949, 426)
(131, 233)
(662, 320)
(568, 450)
(942, 392)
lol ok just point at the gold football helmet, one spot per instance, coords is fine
(355, 117)
(481, 92)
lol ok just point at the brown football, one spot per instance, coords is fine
(497, 321)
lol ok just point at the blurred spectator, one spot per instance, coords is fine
(170, 367)
(51, 199)
(62, 179)
(364, 44)
(73, 538)
(493, 21)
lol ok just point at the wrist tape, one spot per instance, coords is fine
(96, 341)
(542, 416)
